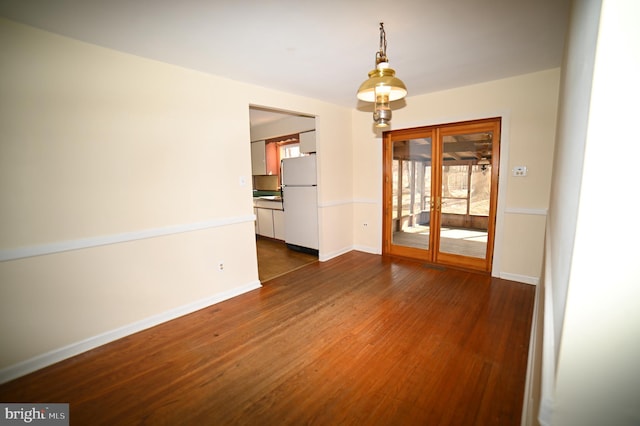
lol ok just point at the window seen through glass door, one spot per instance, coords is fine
(411, 192)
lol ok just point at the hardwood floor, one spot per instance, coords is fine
(360, 339)
(275, 259)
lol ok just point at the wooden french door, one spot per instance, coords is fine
(440, 193)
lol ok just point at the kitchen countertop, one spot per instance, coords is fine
(268, 202)
(267, 195)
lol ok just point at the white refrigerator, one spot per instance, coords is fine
(300, 203)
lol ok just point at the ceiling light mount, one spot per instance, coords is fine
(382, 86)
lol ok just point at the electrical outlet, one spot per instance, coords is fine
(519, 171)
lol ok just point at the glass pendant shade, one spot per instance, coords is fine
(382, 77)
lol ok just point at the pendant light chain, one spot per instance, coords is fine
(381, 55)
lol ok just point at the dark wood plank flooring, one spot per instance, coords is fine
(360, 339)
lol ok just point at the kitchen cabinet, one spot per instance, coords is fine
(278, 224)
(265, 222)
(258, 158)
(264, 158)
(308, 142)
(269, 218)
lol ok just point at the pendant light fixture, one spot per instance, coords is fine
(383, 86)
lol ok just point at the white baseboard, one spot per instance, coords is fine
(57, 355)
(519, 278)
(328, 256)
(528, 401)
(367, 249)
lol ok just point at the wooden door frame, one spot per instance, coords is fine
(433, 255)
(387, 191)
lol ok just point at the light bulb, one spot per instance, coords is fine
(382, 110)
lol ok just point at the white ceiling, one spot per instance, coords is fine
(320, 49)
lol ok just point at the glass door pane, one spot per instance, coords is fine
(466, 193)
(411, 193)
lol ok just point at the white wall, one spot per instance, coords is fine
(573, 115)
(597, 374)
(528, 106)
(120, 191)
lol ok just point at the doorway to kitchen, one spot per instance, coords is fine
(440, 193)
(275, 136)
